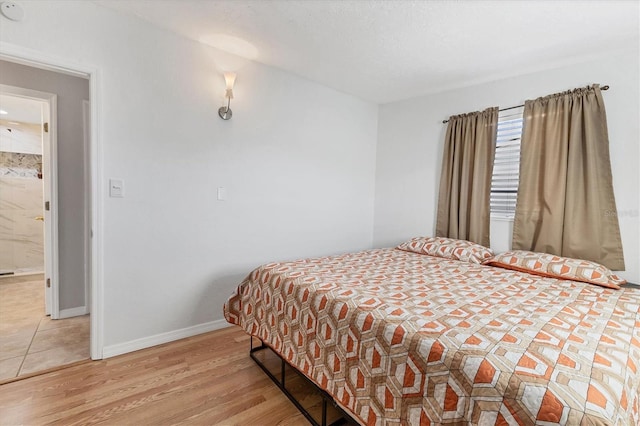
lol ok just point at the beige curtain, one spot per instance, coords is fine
(465, 181)
(565, 200)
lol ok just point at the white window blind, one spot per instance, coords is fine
(506, 165)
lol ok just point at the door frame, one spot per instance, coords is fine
(86, 133)
(34, 58)
(50, 190)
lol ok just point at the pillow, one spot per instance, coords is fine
(564, 268)
(448, 248)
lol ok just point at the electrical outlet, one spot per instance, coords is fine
(222, 193)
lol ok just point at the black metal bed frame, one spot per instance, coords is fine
(328, 402)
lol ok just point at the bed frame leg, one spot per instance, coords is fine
(345, 419)
(324, 412)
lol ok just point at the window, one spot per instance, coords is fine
(506, 165)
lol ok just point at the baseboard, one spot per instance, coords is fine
(73, 312)
(158, 339)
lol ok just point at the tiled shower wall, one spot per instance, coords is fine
(21, 201)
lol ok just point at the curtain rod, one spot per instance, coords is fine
(605, 87)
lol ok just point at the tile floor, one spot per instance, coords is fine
(31, 341)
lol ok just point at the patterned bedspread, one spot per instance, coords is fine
(402, 338)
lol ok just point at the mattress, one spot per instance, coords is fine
(402, 338)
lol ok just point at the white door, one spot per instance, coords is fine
(49, 175)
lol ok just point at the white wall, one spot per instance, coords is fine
(297, 159)
(411, 136)
(71, 92)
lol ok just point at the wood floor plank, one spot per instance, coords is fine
(206, 379)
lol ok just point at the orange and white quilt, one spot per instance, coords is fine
(399, 338)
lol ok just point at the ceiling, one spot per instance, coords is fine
(385, 50)
(20, 110)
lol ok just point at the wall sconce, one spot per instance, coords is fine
(225, 112)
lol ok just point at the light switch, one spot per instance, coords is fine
(222, 193)
(116, 188)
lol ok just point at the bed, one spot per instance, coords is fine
(398, 337)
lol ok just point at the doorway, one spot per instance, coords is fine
(27, 182)
(33, 334)
(21, 185)
(94, 179)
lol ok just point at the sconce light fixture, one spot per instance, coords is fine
(225, 112)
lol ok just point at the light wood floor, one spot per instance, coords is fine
(29, 340)
(204, 380)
